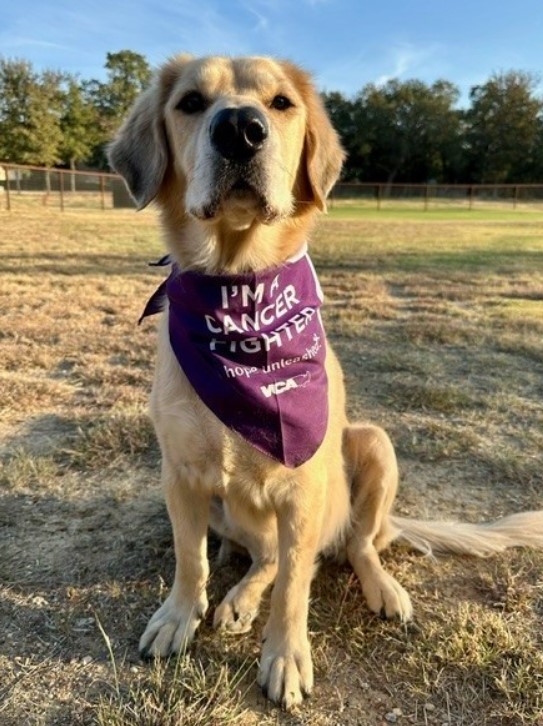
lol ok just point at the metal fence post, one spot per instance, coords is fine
(8, 198)
(103, 191)
(61, 189)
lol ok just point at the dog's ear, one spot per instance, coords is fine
(323, 153)
(139, 152)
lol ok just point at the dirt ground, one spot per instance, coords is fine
(438, 321)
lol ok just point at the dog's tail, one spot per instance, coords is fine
(480, 540)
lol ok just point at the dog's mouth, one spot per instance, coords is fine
(243, 191)
(243, 187)
(239, 196)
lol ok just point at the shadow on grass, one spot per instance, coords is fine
(78, 264)
(489, 261)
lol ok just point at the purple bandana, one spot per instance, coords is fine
(253, 348)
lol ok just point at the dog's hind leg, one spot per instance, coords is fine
(240, 607)
(371, 465)
(231, 537)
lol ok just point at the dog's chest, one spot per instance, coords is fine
(243, 473)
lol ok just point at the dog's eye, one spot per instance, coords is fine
(192, 102)
(281, 103)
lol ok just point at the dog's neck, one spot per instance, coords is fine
(217, 247)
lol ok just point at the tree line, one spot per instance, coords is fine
(400, 131)
(410, 131)
(57, 119)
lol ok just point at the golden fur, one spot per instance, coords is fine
(340, 500)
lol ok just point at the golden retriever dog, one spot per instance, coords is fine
(239, 155)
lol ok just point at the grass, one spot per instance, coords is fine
(474, 660)
(437, 317)
(181, 691)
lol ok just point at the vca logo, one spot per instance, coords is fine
(274, 389)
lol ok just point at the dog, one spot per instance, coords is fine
(239, 155)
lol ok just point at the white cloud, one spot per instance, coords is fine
(407, 58)
(20, 42)
(262, 21)
(378, 64)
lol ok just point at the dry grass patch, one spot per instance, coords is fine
(478, 655)
(430, 396)
(22, 469)
(118, 437)
(471, 653)
(429, 439)
(183, 691)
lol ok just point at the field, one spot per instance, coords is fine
(438, 319)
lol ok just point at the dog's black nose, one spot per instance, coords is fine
(238, 133)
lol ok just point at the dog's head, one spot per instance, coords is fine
(240, 140)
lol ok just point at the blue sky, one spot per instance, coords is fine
(345, 43)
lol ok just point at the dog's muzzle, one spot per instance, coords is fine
(238, 133)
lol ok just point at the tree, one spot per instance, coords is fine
(30, 107)
(79, 125)
(16, 81)
(410, 128)
(128, 74)
(400, 131)
(504, 124)
(45, 110)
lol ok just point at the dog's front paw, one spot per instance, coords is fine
(286, 671)
(172, 627)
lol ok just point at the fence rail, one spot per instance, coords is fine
(432, 196)
(31, 186)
